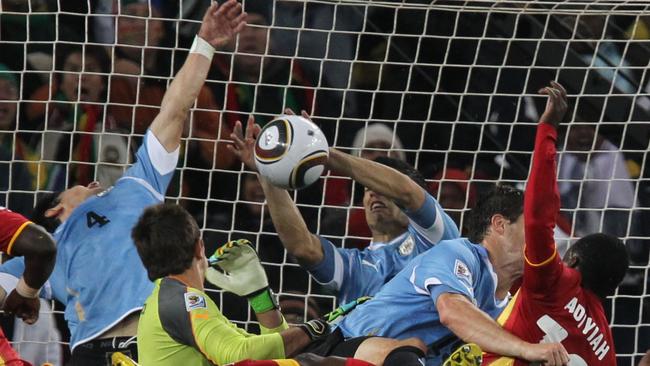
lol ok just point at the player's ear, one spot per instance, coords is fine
(199, 249)
(498, 224)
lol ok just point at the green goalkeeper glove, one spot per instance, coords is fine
(242, 274)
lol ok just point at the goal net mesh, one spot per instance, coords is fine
(448, 86)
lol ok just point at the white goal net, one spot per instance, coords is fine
(448, 86)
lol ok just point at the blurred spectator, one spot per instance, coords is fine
(139, 35)
(604, 55)
(595, 184)
(257, 82)
(72, 109)
(454, 192)
(14, 171)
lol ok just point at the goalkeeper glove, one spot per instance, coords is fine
(242, 274)
(316, 328)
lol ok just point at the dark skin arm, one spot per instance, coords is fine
(39, 250)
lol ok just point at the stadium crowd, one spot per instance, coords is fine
(81, 90)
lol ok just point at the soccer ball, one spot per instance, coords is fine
(291, 152)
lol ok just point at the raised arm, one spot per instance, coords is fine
(288, 221)
(542, 199)
(379, 178)
(474, 326)
(220, 23)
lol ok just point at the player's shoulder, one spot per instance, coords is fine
(453, 247)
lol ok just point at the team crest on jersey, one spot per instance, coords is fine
(407, 246)
(462, 271)
(194, 301)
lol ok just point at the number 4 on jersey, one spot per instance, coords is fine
(92, 218)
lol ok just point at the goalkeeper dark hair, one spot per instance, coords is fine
(165, 237)
(503, 200)
(45, 202)
(404, 168)
(602, 260)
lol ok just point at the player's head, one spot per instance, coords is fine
(53, 208)
(602, 261)
(498, 213)
(381, 212)
(168, 240)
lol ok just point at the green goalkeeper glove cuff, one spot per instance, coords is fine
(262, 301)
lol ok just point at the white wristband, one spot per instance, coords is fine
(201, 46)
(24, 290)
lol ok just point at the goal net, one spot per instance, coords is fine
(448, 86)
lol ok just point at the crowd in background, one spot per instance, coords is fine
(450, 102)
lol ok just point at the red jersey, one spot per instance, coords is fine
(551, 305)
(11, 225)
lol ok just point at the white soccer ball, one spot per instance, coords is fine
(291, 152)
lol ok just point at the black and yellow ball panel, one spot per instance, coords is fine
(285, 139)
(297, 180)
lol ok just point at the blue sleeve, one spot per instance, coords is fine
(14, 267)
(447, 268)
(53, 287)
(329, 272)
(154, 164)
(431, 223)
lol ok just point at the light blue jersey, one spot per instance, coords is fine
(98, 274)
(353, 273)
(406, 306)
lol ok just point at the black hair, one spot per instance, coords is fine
(45, 202)
(501, 199)
(602, 260)
(165, 237)
(404, 168)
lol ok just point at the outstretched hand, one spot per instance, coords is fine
(556, 105)
(244, 146)
(221, 23)
(303, 113)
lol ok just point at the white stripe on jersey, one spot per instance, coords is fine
(337, 278)
(164, 162)
(436, 231)
(146, 185)
(427, 282)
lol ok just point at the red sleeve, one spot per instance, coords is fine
(541, 207)
(11, 225)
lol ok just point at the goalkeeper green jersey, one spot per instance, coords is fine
(180, 325)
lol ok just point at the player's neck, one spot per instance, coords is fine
(385, 236)
(192, 277)
(506, 267)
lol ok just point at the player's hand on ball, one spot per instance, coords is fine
(244, 146)
(556, 105)
(22, 307)
(242, 273)
(221, 23)
(547, 354)
(303, 113)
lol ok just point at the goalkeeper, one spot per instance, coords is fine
(181, 325)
